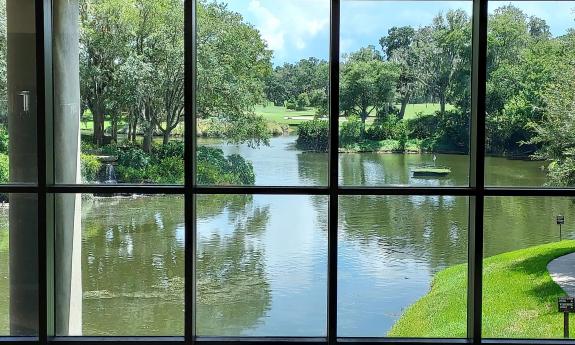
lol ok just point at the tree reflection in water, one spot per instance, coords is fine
(233, 292)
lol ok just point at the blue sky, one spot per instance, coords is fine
(296, 29)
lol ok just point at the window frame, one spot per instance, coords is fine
(476, 192)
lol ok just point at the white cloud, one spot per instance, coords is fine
(269, 25)
(290, 25)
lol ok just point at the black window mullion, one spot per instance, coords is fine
(43, 110)
(189, 168)
(477, 170)
(333, 169)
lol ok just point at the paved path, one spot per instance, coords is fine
(562, 270)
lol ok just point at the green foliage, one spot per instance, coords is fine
(313, 135)
(232, 64)
(555, 134)
(90, 167)
(350, 131)
(291, 105)
(367, 83)
(302, 101)
(4, 174)
(447, 132)
(4, 169)
(3, 140)
(289, 81)
(390, 127)
(213, 168)
(168, 170)
(515, 284)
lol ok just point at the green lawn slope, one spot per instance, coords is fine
(519, 298)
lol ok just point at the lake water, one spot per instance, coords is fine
(262, 260)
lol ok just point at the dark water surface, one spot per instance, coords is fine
(262, 260)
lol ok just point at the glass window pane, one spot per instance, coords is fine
(18, 265)
(402, 266)
(18, 146)
(261, 271)
(405, 93)
(119, 265)
(118, 91)
(530, 88)
(262, 97)
(528, 264)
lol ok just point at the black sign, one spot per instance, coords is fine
(560, 219)
(566, 304)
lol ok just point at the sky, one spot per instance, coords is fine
(297, 29)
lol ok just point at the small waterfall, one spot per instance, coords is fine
(110, 175)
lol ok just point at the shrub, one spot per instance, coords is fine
(302, 101)
(350, 132)
(4, 168)
(172, 149)
(291, 105)
(90, 167)
(4, 174)
(169, 170)
(3, 140)
(133, 157)
(448, 132)
(390, 127)
(313, 135)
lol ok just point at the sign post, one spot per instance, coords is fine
(566, 305)
(560, 221)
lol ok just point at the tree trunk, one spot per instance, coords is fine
(404, 103)
(98, 121)
(167, 134)
(134, 129)
(147, 143)
(442, 104)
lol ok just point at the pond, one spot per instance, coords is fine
(262, 260)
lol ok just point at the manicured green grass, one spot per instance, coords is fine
(519, 298)
(412, 110)
(279, 114)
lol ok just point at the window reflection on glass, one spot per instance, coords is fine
(262, 97)
(530, 87)
(18, 265)
(119, 265)
(261, 270)
(528, 264)
(18, 144)
(405, 93)
(402, 266)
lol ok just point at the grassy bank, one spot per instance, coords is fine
(519, 298)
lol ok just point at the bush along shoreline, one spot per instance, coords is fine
(446, 132)
(165, 165)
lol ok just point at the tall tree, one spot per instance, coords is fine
(103, 41)
(232, 63)
(398, 47)
(368, 83)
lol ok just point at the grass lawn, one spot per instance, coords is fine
(519, 298)
(278, 114)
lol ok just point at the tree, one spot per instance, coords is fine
(101, 56)
(232, 63)
(443, 53)
(555, 134)
(398, 47)
(367, 84)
